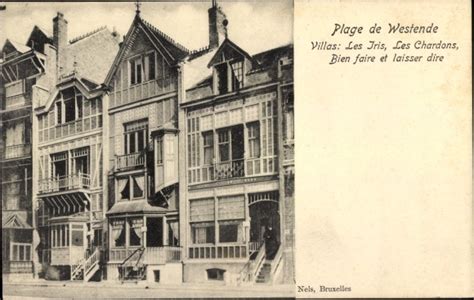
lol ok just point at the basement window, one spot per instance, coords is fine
(215, 274)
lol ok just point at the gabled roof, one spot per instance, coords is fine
(38, 30)
(229, 46)
(88, 89)
(16, 46)
(169, 48)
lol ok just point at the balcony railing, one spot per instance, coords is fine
(152, 255)
(218, 252)
(128, 161)
(233, 169)
(16, 151)
(230, 169)
(64, 183)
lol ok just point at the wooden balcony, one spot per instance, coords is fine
(130, 161)
(218, 252)
(152, 255)
(233, 169)
(64, 183)
(17, 151)
(142, 91)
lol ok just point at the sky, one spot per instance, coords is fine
(253, 25)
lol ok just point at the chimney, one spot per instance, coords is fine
(217, 26)
(60, 41)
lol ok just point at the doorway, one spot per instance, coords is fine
(154, 236)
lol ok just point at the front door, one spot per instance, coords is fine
(154, 235)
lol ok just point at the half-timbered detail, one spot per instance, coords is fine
(69, 155)
(233, 137)
(22, 67)
(144, 242)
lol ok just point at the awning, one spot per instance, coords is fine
(67, 201)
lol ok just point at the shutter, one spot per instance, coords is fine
(231, 208)
(201, 210)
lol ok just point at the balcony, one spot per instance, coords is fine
(64, 183)
(233, 169)
(152, 255)
(17, 151)
(130, 161)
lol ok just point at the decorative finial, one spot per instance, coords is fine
(214, 3)
(137, 5)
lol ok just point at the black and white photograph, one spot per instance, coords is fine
(147, 148)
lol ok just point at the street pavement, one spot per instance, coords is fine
(78, 290)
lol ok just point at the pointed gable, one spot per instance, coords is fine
(38, 37)
(228, 51)
(12, 49)
(141, 35)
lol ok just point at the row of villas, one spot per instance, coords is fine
(150, 162)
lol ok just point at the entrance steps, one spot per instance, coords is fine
(264, 274)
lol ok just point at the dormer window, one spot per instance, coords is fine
(143, 68)
(229, 76)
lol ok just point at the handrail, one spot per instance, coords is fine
(91, 261)
(259, 260)
(276, 260)
(250, 269)
(78, 268)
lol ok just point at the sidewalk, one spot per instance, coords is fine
(287, 288)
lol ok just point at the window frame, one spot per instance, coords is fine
(142, 60)
(18, 245)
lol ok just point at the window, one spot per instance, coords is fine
(159, 151)
(215, 274)
(118, 233)
(230, 143)
(69, 106)
(228, 232)
(203, 233)
(254, 139)
(229, 76)
(208, 144)
(224, 145)
(60, 236)
(289, 118)
(136, 71)
(222, 86)
(135, 136)
(173, 233)
(134, 232)
(143, 68)
(131, 187)
(150, 62)
(237, 75)
(20, 252)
